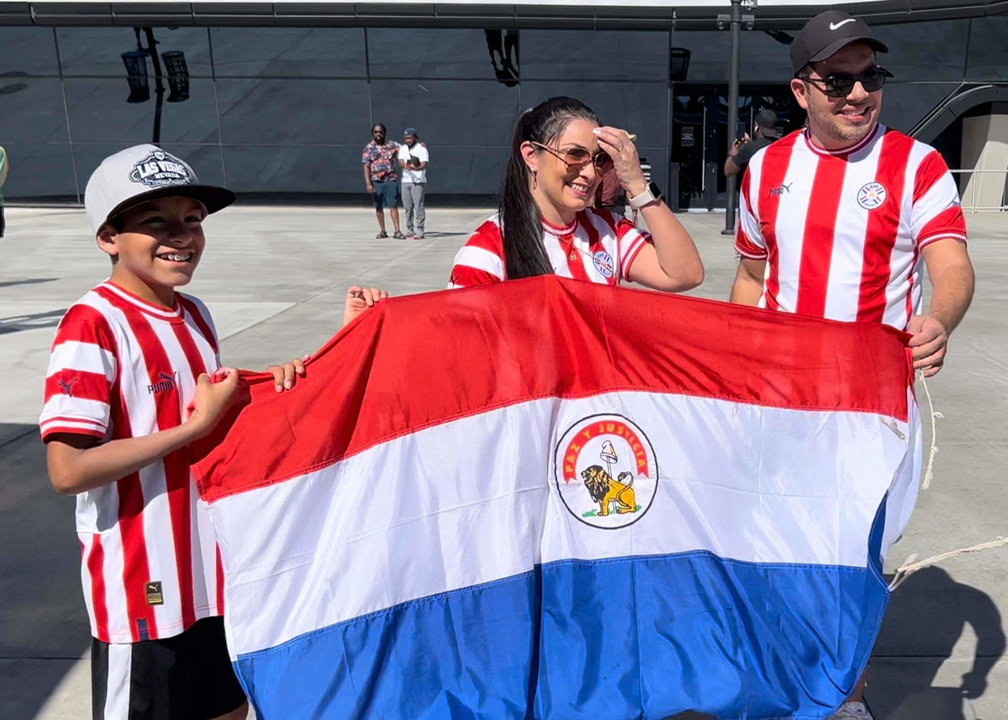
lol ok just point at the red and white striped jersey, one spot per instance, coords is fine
(120, 368)
(842, 231)
(595, 247)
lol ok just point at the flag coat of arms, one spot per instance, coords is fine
(551, 499)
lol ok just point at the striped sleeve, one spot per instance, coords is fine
(937, 212)
(481, 260)
(749, 240)
(630, 240)
(82, 370)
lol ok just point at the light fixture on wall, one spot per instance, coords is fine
(178, 75)
(678, 64)
(136, 75)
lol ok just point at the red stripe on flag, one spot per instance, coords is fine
(418, 361)
(883, 227)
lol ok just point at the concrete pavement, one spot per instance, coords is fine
(274, 278)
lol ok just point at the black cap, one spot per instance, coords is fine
(825, 34)
(767, 119)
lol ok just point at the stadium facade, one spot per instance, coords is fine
(277, 99)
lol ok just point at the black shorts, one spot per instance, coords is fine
(186, 677)
(386, 194)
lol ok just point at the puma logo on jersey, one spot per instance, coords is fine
(65, 386)
(780, 189)
(165, 382)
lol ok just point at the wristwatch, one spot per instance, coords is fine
(651, 194)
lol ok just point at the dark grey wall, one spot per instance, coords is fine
(288, 109)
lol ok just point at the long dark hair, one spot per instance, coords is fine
(524, 254)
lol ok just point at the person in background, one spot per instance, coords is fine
(379, 160)
(745, 147)
(413, 157)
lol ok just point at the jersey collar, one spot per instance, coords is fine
(557, 230)
(867, 139)
(170, 314)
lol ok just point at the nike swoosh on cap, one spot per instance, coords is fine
(834, 26)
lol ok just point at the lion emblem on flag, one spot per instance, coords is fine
(606, 471)
(609, 493)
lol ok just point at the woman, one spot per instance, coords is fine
(559, 154)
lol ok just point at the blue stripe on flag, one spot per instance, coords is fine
(727, 640)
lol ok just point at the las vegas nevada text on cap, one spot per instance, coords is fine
(141, 173)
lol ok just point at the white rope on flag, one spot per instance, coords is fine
(909, 567)
(929, 472)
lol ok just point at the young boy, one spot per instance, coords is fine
(129, 361)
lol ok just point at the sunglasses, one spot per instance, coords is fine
(577, 158)
(838, 85)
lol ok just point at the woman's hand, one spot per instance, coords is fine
(617, 144)
(284, 376)
(359, 299)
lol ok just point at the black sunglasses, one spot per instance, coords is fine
(577, 158)
(839, 85)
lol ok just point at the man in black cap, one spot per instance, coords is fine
(840, 219)
(745, 147)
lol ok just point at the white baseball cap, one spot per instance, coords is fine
(141, 173)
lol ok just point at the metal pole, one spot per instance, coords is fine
(733, 94)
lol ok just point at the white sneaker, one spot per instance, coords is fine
(852, 711)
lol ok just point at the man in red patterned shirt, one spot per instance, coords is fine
(380, 162)
(839, 219)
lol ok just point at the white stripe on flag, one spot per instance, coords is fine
(480, 497)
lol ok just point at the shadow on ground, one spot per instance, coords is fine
(28, 281)
(927, 615)
(33, 321)
(45, 625)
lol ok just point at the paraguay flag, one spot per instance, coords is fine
(553, 499)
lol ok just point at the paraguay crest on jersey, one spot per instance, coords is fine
(871, 195)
